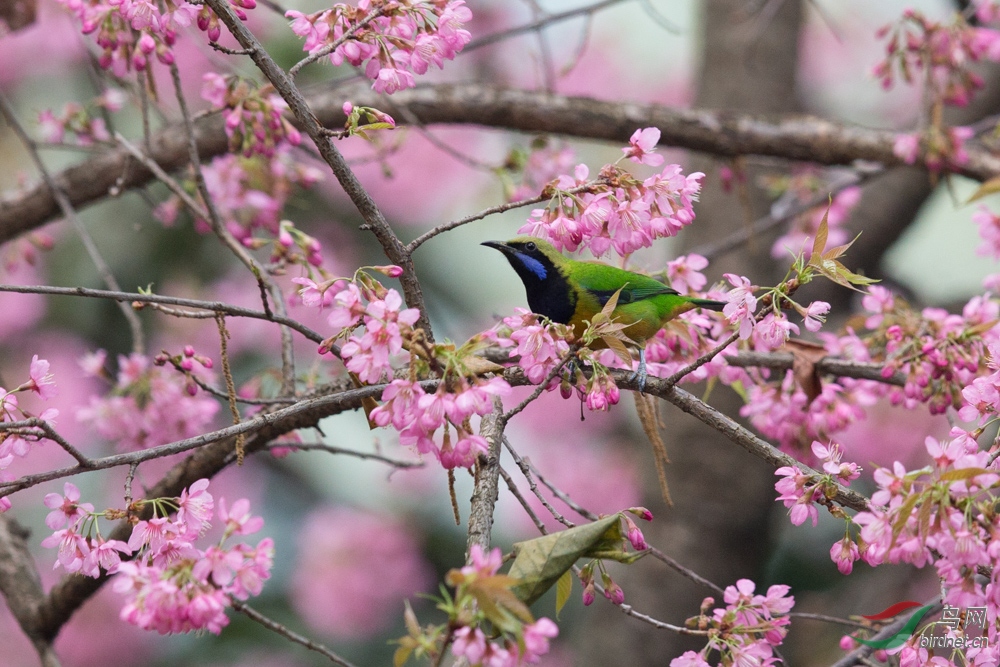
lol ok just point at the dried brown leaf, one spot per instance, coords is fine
(805, 357)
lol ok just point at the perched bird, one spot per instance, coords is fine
(572, 292)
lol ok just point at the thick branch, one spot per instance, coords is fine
(22, 587)
(487, 487)
(794, 137)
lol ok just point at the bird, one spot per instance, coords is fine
(572, 292)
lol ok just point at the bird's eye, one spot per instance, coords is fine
(530, 246)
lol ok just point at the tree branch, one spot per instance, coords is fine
(722, 133)
(307, 120)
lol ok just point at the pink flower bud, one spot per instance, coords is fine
(641, 512)
(348, 108)
(390, 270)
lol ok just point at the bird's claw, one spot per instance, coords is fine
(640, 372)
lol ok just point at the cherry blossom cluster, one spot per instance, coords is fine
(393, 40)
(537, 346)
(86, 126)
(169, 584)
(380, 312)
(254, 116)
(147, 405)
(418, 416)
(941, 515)
(745, 631)
(801, 493)
(939, 352)
(188, 362)
(784, 412)
(515, 639)
(249, 195)
(16, 442)
(132, 32)
(617, 210)
(937, 52)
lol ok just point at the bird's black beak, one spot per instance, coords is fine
(499, 245)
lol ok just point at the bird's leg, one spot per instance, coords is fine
(640, 372)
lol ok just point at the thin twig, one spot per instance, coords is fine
(396, 463)
(214, 219)
(500, 208)
(135, 326)
(526, 471)
(829, 619)
(333, 46)
(301, 415)
(214, 306)
(540, 23)
(274, 626)
(514, 491)
(661, 625)
(685, 571)
(18, 427)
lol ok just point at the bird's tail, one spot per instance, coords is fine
(711, 304)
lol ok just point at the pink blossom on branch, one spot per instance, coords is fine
(747, 629)
(626, 216)
(641, 146)
(403, 39)
(149, 405)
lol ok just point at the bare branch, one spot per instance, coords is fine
(214, 306)
(371, 456)
(487, 487)
(727, 134)
(22, 587)
(274, 626)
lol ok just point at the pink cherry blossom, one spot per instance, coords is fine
(685, 273)
(642, 143)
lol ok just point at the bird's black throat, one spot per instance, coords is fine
(549, 292)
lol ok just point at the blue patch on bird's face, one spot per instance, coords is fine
(533, 265)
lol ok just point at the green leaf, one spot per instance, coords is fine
(499, 603)
(904, 514)
(990, 187)
(401, 655)
(819, 243)
(564, 588)
(618, 347)
(964, 474)
(541, 562)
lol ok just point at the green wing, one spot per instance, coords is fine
(602, 281)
